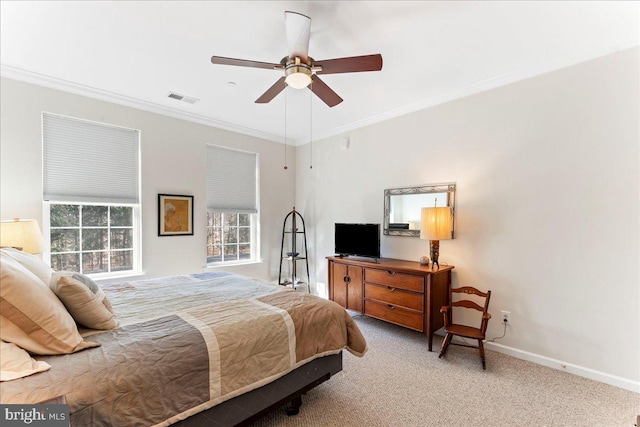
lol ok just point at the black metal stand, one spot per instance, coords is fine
(294, 226)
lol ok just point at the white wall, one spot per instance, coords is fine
(172, 159)
(547, 174)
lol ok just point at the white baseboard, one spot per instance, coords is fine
(581, 371)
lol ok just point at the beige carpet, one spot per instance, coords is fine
(399, 383)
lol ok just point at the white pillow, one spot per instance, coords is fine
(84, 300)
(31, 263)
(32, 316)
(16, 363)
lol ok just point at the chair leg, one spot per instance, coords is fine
(445, 345)
(481, 348)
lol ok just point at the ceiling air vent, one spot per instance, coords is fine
(183, 98)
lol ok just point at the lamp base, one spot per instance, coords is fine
(435, 252)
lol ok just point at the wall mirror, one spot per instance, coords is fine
(402, 207)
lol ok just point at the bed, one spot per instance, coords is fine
(200, 349)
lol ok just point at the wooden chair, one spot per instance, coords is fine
(462, 330)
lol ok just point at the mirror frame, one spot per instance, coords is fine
(449, 188)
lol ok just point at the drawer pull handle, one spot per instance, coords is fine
(391, 273)
(391, 307)
(391, 289)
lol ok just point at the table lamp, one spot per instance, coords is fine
(436, 225)
(22, 234)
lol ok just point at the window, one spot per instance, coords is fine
(232, 214)
(91, 194)
(91, 239)
(228, 237)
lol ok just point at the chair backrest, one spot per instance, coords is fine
(471, 304)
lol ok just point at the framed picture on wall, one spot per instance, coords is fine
(175, 215)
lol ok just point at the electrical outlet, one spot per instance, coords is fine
(506, 316)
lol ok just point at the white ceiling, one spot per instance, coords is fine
(136, 52)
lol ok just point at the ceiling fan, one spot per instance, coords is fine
(301, 70)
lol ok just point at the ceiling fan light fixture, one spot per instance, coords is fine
(298, 74)
(298, 80)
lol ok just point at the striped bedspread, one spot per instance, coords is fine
(186, 343)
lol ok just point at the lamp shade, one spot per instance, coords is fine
(436, 224)
(24, 234)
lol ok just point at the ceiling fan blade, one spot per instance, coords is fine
(351, 64)
(298, 29)
(324, 92)
(272, 91)
(242, 62)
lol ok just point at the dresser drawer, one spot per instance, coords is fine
(394, 314)
(410, 282)
(395, 296)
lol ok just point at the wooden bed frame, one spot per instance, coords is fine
(248, 407)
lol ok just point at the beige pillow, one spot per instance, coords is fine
(16, 363)
(31, 316)
(31, 262)
(84, 300)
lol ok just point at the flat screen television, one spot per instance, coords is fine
(357, 240)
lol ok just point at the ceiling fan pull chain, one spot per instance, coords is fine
(311, 125)
(285, 127)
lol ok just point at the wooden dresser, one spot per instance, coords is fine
(401, 292)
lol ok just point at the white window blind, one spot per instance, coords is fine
(89, 162)
(231, 180)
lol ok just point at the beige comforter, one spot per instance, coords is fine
(185, 344)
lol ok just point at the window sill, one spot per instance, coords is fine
(230, 264)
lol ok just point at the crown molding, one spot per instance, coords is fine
(115, 98)
(513, 76)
